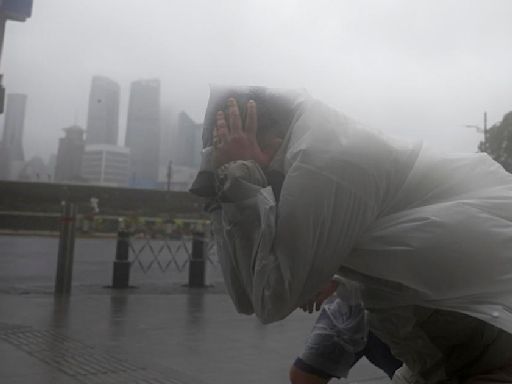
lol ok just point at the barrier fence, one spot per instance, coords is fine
(148, 252)
(173, 246)
(166, 252)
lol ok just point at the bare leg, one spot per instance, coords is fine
(300, 377)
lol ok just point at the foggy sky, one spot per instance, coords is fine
(420, 69)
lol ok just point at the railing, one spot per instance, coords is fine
(163, 252)
(176, 245)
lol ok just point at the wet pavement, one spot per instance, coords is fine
(159, 332)
(28, 263)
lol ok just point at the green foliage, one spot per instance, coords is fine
(499, 142)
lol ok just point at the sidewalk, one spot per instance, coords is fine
(159, 332)
(142, 336)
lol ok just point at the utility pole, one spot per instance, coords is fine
(485, 131)
(169, 175)
(66, 249)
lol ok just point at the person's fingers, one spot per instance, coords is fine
(307, 306)
(216, 140)
(312, 305)
(234, 120)
(251, 121)
(221, 129)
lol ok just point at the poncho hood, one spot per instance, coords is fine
(276, 108)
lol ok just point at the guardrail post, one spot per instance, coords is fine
(121, 270)
(197, 263)
(66, 249)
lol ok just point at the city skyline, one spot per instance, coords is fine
(94, 155)
(420, 70)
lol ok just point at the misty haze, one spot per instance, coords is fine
(420, 70)
(338, 170)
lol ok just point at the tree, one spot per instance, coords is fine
(499, 142)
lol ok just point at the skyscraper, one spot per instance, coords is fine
(105, 164)
(103, 113)
(143, 132)
(70, 154)
(17, 10)
(189, 142)
(11, 148)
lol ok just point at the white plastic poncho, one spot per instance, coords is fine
(339, 333)
(414, 226)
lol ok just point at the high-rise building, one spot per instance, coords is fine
(188, 141)
(143, 132)
(17, 10)
(103, 112)
(69, 155)
(105, 164)
(11, 148)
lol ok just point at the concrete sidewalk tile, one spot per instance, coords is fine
(185, 338)
(18, 367)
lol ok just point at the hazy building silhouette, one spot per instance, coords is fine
(11, 147)
(105, 164)
(189, 144)
(70, 154)
(103, 112)
(143, 132)
(35, 170)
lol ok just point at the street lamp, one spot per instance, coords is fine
(169, 175)
(481, 130)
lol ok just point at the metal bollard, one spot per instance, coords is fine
(121, 270)
(197, 264)
(66, 249)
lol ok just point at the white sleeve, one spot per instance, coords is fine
(275, 258)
